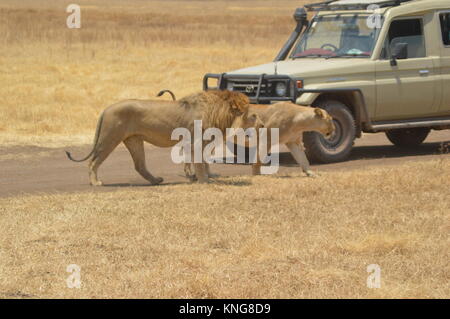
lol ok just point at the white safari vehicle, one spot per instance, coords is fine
(374, 65)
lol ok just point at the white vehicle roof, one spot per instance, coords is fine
(397, 6)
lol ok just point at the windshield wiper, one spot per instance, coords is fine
(347, 55)
(310, 56)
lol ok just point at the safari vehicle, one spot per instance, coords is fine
(374, 65)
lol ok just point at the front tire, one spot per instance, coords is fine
(338, 147)
(408, 137)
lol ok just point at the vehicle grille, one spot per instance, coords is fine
(250, 87)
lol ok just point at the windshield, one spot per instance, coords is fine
(337, 36)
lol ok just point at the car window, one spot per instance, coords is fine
(408, 31)
(445, 27)
(337, 36)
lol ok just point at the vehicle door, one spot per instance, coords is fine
(444, 19)
(406, 90)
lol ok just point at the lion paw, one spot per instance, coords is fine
(191, 177)
(157, 181)
(97, 183)
(311, 174)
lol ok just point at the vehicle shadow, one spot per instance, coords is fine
(380, 151)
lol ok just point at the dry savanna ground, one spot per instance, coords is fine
(260, 237)
(268, 237)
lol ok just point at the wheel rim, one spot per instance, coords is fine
(335, 139)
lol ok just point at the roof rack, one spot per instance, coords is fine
(363, 5)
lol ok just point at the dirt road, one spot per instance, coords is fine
(41, 170)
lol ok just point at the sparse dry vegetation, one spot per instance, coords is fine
(263, 237)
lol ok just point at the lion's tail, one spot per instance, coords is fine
(97, 134)
(161, 93)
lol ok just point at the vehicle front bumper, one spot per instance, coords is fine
(260, 88)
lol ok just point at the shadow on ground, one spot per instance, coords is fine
(378, 152)
(213, 181)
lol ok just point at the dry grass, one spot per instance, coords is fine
(241, 237)
(56, 80)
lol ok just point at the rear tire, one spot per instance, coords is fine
(408, 137)
(338, 147)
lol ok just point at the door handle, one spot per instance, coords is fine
(424, 72)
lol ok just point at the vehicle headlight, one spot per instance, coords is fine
(280, 89)
(230, 86)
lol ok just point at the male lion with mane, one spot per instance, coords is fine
(135, 121)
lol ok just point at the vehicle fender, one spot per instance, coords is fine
(353, 97)
(307, 99)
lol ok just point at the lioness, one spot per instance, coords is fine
(135, 121)
(292, 120)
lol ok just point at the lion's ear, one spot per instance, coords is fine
(319, 113)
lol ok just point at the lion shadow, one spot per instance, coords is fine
(142, 185)
(213, 181)
(230, 182)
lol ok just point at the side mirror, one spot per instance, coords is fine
(399, 52)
